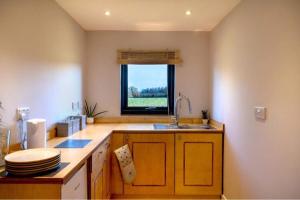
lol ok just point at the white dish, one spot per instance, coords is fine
(32, 155)
(28, 164)
(38, 165)
(33, 172)
(36, 170)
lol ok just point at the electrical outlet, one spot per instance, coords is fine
(23, 113)
(260, 113)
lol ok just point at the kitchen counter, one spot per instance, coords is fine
(72, 159)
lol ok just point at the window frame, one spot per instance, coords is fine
(125, 110)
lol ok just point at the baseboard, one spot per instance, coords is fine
(223, 197)
(154, 196)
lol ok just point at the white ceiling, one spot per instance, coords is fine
(148, 15)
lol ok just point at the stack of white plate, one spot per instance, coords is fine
(32, 161)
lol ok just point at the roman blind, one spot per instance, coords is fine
(149, 57)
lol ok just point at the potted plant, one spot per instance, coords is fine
(90, 112)
(205, 117)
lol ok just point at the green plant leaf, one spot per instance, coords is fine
(86, 108)
(94, 109)
(90, 110)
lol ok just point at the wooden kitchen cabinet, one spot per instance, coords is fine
(170, 164)
(153, 156)
(179, 164)
(198, 164)
(100, 183)
(76, 187)
(97, 186)
(100, 175)
(106, 173)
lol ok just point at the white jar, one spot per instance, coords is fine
(90, 120)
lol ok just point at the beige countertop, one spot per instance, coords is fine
(73, 158)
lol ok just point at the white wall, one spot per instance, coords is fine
(41, 60)
(102, 80)
(255, 60)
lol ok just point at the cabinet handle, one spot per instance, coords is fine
(100, 153)
(77, 186)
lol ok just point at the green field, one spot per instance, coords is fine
(147, 102)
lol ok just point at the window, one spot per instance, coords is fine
(147, 89)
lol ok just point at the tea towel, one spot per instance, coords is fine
(126, 163)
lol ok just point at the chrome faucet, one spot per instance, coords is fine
(178, 100)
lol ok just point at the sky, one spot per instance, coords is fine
(147, 76)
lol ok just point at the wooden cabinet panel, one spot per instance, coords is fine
(98, 158)
(30, 191)
(198, 165)
(97, 186)
(100, 175)
(106, 173)
(153, 156)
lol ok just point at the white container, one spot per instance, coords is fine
(90, 120)
(36, 133)
(205, 121)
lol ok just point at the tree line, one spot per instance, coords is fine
(133, 92)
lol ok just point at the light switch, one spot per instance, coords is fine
(260, 113)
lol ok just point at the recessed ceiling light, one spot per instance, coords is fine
(188, 12)
(107, 13)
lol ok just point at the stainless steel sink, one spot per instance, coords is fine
(186, 126)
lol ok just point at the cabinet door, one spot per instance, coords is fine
(106, 174)
(97, 186)
(76, 187)
(153, 157)
(198, 164)
(100, 171)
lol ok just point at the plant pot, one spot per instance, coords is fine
(90, 120)
(205, 121)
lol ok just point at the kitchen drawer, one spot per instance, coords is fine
(76, 187)
(99, 156)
